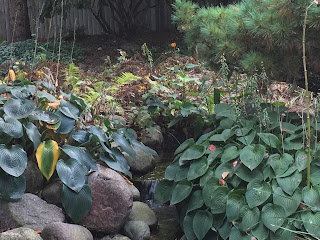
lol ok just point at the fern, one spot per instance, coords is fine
(126, 78)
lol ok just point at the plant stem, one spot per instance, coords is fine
(307, 92)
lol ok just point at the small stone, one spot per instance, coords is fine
(65, 231)
(115, 237)
(137, 230)
(142, 212)
(135, 193)
(20, 234)
(143, 163)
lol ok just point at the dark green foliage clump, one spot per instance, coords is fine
(253, 35)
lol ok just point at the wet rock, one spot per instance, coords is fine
(153, 139)
(34, 178)
(135, 193)
(65, 231)
(111, 201)
(115, 237)
(31, 212)
(137, 230)
(52, 193)
(142, 212)
(143, 163)
(20, 234)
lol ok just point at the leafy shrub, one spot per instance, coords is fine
(34, 123)
(246, 178)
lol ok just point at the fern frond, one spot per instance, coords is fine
(126, 78)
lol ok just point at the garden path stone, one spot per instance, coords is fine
(32, 212)
(115, 237)
(142, 212)
(143, 163)
(137, 230)
(111, 201)
(65, 231)
(21, 233)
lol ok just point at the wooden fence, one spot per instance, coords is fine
(156, 19)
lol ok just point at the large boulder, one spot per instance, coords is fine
(142, 212)
(111, 201)
(143, 163)
(34, 178)
(154, 138)
(20, 234)
(52, 193)
(31, 212)
(137, 230)
(65, 231)
(115, 237)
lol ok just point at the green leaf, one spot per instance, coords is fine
(13, 161)
(188, 226)
(245, 174)
(273, 216)
(315, 174)
(163, 191)
(260, 231)
(311, 222)
(33, 134)
(247, 140)
(17, 108)
(225, 229)
(214, 154)
(72, 173)
(224, 136)
(251, 156)
(287, 232)
(66, 124)
(176, 172)
(235, 234)
(225, 110)
(291, 183)
(76, 204)
(196, 201)
(223, 168)
(198, 168)
(207, 176)
(99, 133)
(69, 110)
(115, 165)
(181, 191)
(11, 126)
(187, 143)
(217, 201)
(194, 152)
(81, 154)
(311, 198)
(45, 116)
(280, 164)
(235, 202)
(138, 145)
(202, 222)
(12, 188)
(81, 136)
(301, 160)
(124, 144)
(250, 218)
(257, 193)
(229, 154)
(270, 139)
(227, 123)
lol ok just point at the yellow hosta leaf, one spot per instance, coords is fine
(172, 112)
(54, 104)
(47, 156)
(12, 75)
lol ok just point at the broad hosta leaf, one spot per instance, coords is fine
(225, 229)
(76, 204)
(260, 231)
(45, 116)
(187, 143)
(229, 154)
(290, 184)
(315, 174)
(273, 216)
(202, 222)
(176, 172)
(115, 165)
(118, 156)
(46, 95)
(247, 140)
(301, 160)
(289, 203)
(224, 136)
(235, 234)
(138, 145)
(311, 222)
(181, 191)
(99, 133)
(47, 156)
(217, 201)
(81, 155)
(163, 191)
(194, 152)
(235, 202)
(72, 173)
(223, 169)
(66, 124)
(12, 188)
(311, 197)
(198, 168)
(245, 174)
(250, 218)
(287, 232)
(12, 127)
(33, 134)
(81, 136)
(207, 176)
(251, 156)
(196, 201)
(225, 110)
(124, 144)
(280, 163)
(214, 154)
(69, 110)
(13, 161)
(269, 139)
(188, 226)
(17, 108)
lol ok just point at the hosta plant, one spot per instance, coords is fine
(246, 179)
(36, 125)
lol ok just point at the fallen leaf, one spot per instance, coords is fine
(55, 104)
(224, 175)
(234, 164)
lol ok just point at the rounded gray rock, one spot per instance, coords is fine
(52, 193)
(115, 237)
(137, 230)
(34, 178)
(111, 201)
(142, 212)
(143, 163)
(135, 193)
(65, 231)
(20, 234)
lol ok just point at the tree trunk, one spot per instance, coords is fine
(19, 20)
